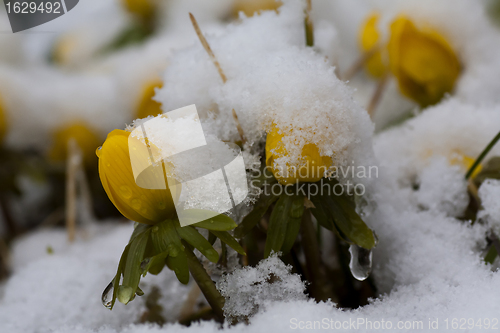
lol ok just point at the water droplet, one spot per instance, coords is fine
(125, 191)
(172, 250)
(360, 263)
(98, 151)
(107, 296)
(136, 204)
(144, 263)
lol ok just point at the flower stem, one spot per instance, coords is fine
(320, 290)
(205, 283)
(482, 155)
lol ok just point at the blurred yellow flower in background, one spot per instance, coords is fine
(250, 7)
(310, 168)
(86, 139)
(423, 62)
(116, 174)
(144, 9)
(466, 162)
(369, 40)
(147, 106)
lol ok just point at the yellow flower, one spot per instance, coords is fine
(250, 7)
(115, 171)
(142, 8)
(466, 162)
(86, 139)
(369, 40)
(3, 121)
(310, 168)
(423, 62)
(147, 106)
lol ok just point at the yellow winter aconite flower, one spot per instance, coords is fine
(250, 7)
(86, 139)
(64, 49)
(116, 174)
(369, 40)
(310, 168)
(147, 106)
(466, 162)
(142, 8)
(423, 62)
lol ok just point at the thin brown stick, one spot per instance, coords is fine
(358, 64)
(188, 306)
(207, 48)
(73, 162)
(309, 25)
(377, 95)
(240, 129)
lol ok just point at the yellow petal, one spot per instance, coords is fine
(423, 62)
(369, 38)
(466, 161)
(147, 106)
(250, 7)
(310, 168)
(115, 171)
(86, 139)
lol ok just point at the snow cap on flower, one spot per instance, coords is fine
(272, 78)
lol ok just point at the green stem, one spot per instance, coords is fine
(314, 266)
(482, 156)
(205, 283)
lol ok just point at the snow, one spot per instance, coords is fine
(489, 192)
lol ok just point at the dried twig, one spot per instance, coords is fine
(207, 47)
(358, 64)
(211, 54)
(238, 126)
(188, 306)
(377, 95)
(73, 162)
(309, 25)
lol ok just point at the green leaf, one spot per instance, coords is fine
(165, 238)
(251, 220)
(139, 228)
(119, 272)
(193, 237)
(225, 237)
(132, 271)
(280, 217)
(348, 222)
(220, 222)
(294, 221)
(155, 264)
(180, 267)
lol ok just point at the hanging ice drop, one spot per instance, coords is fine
(107, 296)
(361, 262)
